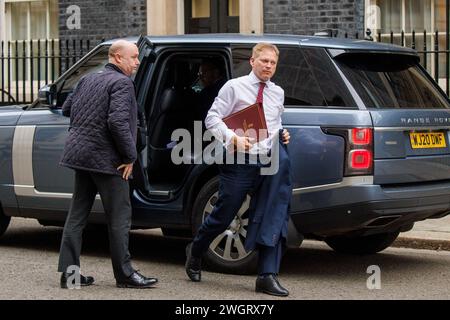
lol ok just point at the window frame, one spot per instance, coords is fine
(8, 18)
(29, 42)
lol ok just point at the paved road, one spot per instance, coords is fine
(29, 253)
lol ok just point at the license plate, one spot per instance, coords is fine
(427, 140)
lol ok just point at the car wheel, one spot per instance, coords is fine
(4, 222)
(362, 244)
(226, 253)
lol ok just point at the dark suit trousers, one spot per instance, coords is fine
(235, 182)
(269, 259)
(114, 192)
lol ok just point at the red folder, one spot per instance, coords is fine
(249, 122)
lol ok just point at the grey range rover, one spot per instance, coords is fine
(370, 143)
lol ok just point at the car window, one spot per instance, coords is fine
(393, 81)
(241, 60)
(294, 74)
(332, 86)
(94, 63)
(295, 77)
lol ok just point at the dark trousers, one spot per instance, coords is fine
(114, 192)
(269, 259)
(236, 181)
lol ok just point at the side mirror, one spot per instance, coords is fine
(47, 96)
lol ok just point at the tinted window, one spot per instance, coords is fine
(392, 81)
(241, 61)
(302, 87)
(332, 86)
(295, 77)
(93, 64)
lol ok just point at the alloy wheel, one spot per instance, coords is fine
(230, 244)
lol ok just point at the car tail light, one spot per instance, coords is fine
(359, 150)
(360, 159)
(361, 136)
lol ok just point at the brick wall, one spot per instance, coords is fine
(107, 19)
(309, 16)
(104, 19)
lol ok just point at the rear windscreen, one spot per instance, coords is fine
(391, 81)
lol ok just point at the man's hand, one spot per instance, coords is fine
(286, 137)
(242, 144)
(127, 170)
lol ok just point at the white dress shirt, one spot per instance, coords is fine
(238, 94)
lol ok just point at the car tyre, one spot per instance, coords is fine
(4, 222)
(362, 244)
(226, 253)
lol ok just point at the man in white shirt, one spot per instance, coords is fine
(237, 180)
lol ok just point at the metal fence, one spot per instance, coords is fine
(432, 47)
(26, 66)
(438, 53)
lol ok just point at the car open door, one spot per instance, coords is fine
(147, 59)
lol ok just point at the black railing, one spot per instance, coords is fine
(26, 66)
(433, 49)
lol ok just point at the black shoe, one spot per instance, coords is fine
(193, 265)
(84, 281)
(269, 284)
(136, 281)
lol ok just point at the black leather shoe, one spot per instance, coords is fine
(84, 281)
(269, 284)
(193, 265)
(136, 281)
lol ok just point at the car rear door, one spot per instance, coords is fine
(142, 78)
(319, 111)
(411, 117)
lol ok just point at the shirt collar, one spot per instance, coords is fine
(255, 80)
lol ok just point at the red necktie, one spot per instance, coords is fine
(260, 96)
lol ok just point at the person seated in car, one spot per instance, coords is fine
(212, 78)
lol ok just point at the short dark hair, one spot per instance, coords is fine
(214, 64)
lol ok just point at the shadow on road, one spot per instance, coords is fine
(313, 258)
(144, 245)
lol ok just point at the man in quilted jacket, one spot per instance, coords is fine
(101, 148)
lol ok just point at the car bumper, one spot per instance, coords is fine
(366, 208)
